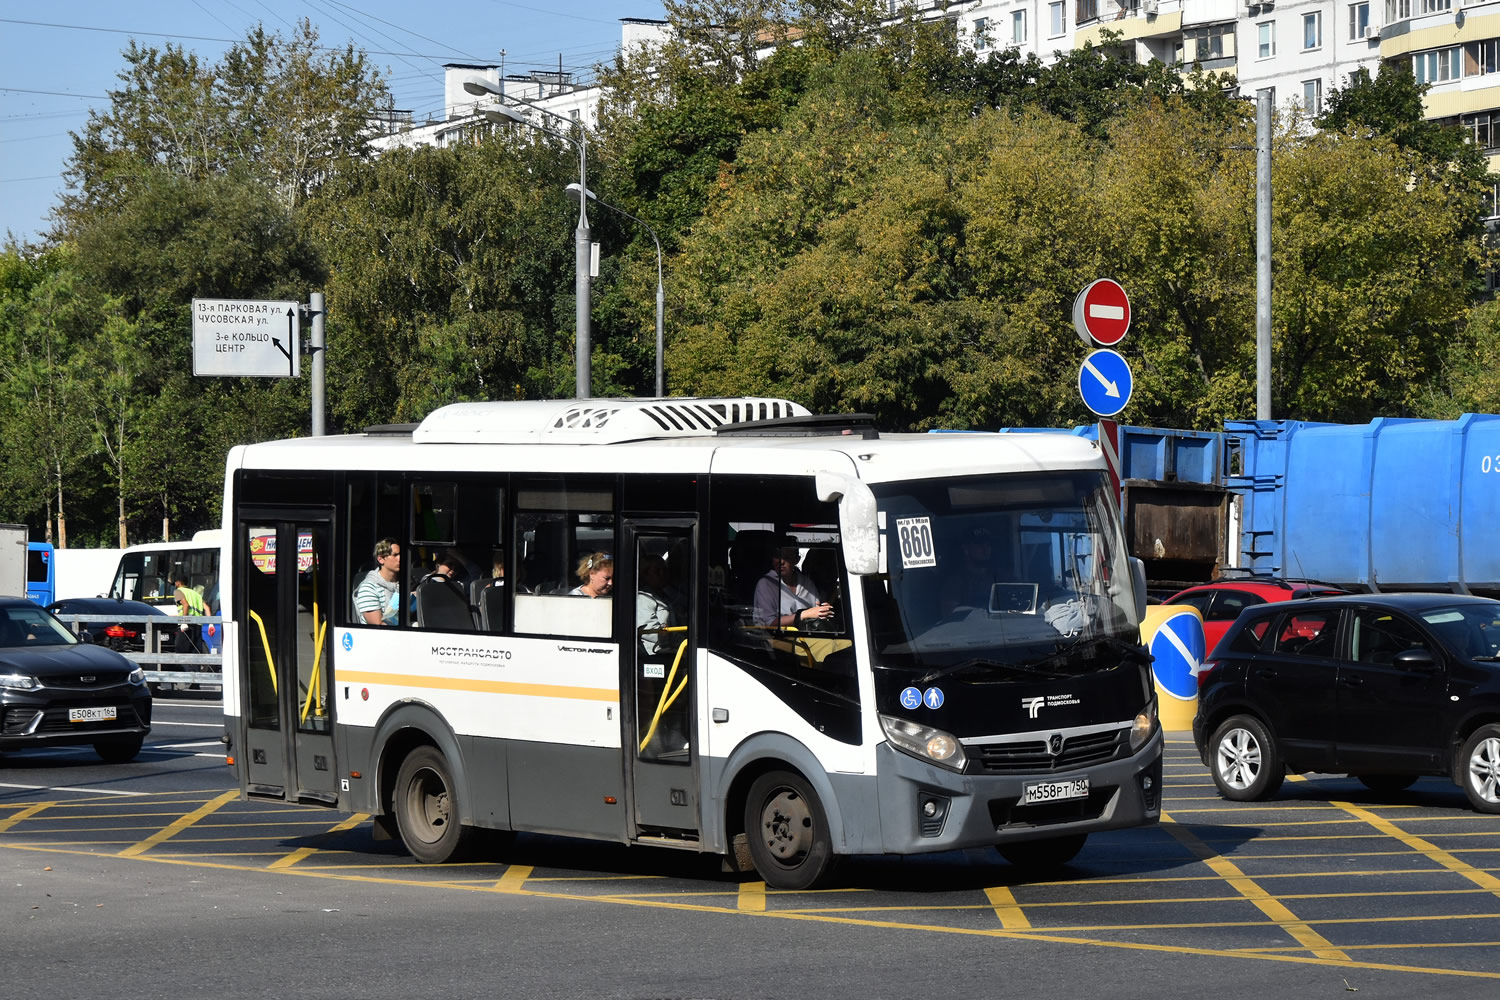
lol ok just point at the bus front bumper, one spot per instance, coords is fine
(925, 808)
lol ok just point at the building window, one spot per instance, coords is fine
(1018, 27)
(1088, 10)
(1204, 44)
(1266, 32)
(1055, 13)
(1312, 30)
(1359, 21)
(1481, 57)
(1397, 10)
(981, 33)
(1437, 66)
(1312, 96)
(1483, 128)
(1436, 6)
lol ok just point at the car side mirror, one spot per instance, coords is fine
(1415, 659)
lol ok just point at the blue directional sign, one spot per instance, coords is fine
(1178, 646)
(1104, 382)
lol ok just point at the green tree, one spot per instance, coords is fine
(283, 107)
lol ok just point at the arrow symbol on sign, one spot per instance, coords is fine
(1110, 388)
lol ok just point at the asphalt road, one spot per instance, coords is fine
(153, 880)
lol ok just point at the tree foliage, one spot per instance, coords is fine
(856, 212)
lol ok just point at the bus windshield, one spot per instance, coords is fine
(147, 572)
(999, 573)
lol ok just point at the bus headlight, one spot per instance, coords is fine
(1145, 725)
(924, 742)
(19, 682)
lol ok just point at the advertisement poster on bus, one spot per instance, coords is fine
(263, 552)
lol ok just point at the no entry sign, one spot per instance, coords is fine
(1101, 313)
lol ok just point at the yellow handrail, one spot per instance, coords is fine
(667, 694)
(270, 660)
(315, 683)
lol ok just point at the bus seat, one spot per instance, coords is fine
(749, 560)
(442, 605)
(492, 608)
(546, 565)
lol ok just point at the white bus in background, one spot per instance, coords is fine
(960, 695)
(145, 571)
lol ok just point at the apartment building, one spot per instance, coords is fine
(1299, 50)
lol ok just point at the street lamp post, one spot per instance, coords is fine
(574, 190)
(502, 115)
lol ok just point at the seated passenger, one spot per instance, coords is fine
(597, 575)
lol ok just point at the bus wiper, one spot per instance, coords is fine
(1023, 669)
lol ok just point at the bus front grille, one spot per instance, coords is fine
(1034, 757)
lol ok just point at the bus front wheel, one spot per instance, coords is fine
(787, 829)
(427, 807)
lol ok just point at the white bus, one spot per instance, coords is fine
(956, 694)
(145, 572)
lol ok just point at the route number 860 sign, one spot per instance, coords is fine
(915, 534)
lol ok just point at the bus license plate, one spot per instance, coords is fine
(105, 714)
(1055, 791)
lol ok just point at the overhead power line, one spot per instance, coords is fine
(209, 38)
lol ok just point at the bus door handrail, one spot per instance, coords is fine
(668, 696)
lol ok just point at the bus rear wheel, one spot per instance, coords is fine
(427, 808)
(787, 829)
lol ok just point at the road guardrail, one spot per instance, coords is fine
(164, 667)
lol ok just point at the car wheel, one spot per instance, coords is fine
(1478, 769)
(1246, 766)
(1386, 782)
(119, 751)
(787, 831)
(1043, 854)
(427, 808)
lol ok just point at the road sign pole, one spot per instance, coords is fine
(315, 307)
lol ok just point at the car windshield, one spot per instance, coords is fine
(1471, 630)
(1001, 572)
(23, 627)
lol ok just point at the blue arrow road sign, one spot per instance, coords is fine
(1178, 647)
(1104, 382)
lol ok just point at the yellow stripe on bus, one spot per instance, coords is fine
(481, 687)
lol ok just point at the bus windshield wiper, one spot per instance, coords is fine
(1025, 669)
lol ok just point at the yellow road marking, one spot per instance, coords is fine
(306, 852)
(24, 814)
(1264, 901)
(177, 826)
(514, 878)
(1006, 908)
(752, 896)
(1479, 877)
(781, 914)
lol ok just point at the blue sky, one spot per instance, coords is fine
(58, 60)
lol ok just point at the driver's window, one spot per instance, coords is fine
(776, 576)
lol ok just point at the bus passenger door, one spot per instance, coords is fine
(654, 588)
(285, 595)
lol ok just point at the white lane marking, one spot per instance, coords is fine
(193, 725)
(184, 746)
(65, 788)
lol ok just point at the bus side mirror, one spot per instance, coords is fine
(1138, 581)
(856, 520)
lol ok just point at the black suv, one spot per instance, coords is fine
(1386, 687)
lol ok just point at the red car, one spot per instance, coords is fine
(1221, 602)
